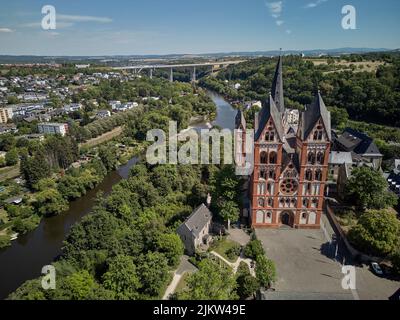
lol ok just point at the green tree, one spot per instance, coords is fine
(265, 271)
(377, 232)
(247, 285)
(211, 282)
(50, 202)
(12, 157)
(229, 211)
(254, 249)
(153, 273)
(171, 246)
(367, 189)
(77, 286)
(122, 278)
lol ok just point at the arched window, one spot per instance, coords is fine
(308, 175)
(269, 187)
(311, 158)
(320, 157)
(318, 175)
(315, 202)
(319, 133)
(261, 202)
(305, 203)
(263, 157)
(263, 174)
(261, 188)
(271, 174)
(273, 158)
(270, 202)
(270, 135)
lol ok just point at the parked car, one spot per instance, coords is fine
(376, 269)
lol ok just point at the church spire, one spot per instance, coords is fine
(277, 86)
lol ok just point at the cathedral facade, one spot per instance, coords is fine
(291, 154)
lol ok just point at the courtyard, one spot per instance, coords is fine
(304, 264)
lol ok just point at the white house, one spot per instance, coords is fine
(53, 128)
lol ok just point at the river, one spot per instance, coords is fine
(24, 259)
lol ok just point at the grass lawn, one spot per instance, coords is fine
(221, 246)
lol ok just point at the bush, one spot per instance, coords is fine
(253, 249)
(23, 226)
(233, 252)
(4, 241)
(247, 285)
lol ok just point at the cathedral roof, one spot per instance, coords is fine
(240, 120)
(277, 87)
(317, 110)
(268, 111)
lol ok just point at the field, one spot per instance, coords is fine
(103, 138)
(369, 66)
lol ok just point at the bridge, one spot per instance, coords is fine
(217, 64)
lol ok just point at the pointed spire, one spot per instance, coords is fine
(277, 86)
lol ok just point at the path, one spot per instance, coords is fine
(184, 266)
(235, 265)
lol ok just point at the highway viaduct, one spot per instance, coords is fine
(137, 69)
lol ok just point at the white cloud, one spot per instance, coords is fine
(66, 17)
(6, 30)
(39, 25)
(314, 4)
(289, 31)
(275, 8)
(279, 22)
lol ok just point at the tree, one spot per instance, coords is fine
(229, 211)
(50, 202)
(247, 285)
(265, 271)
(170, 244)
(12, 157)
(77, 286)
(108, 157)
(34, 168)
(368, 189)
(377, 232)
(122, 278)
(211, 282)
(153, 273)
(254, 249)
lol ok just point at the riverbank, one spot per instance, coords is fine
(30, 252)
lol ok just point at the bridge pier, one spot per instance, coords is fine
(194, 75)
(171, 75)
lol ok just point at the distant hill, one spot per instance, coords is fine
(119, 58)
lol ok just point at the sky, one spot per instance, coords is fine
(130, 27)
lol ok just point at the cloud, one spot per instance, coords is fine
(289, 31)
(314, 4)
(279, 22)
(39, 25)
(71, 18)
(6, 30)
(275, 8)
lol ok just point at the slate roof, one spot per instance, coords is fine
(339, 157)
(277, 87)
(268, 111)
(315, 111)
(360, 143)
(240, 120)
(198, 219)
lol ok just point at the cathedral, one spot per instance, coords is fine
(291, 154)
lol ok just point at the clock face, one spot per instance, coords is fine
(289, 186)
